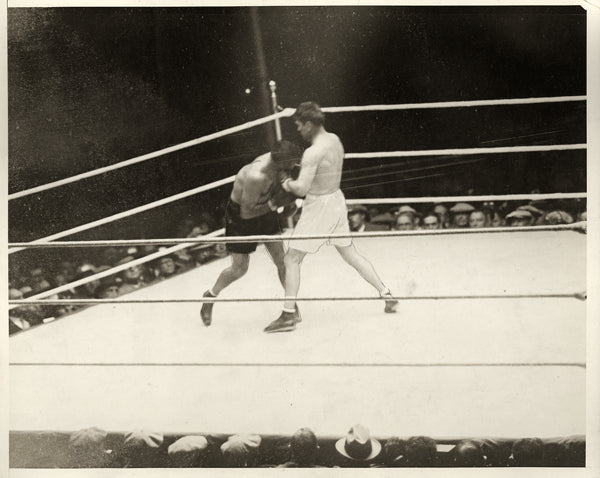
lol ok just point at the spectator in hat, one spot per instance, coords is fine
(87, 449)
(441, 212)
(476, 219)
(535, 213)
(304, 448)
(528, 452)
(358, 217)
(404, 222)
(468, 453)
(409, 212)
(558, 217)
(241, 451)
(188, 451)
(87, 290)
(166, 267)
(383, 221)
(431, 221)
(519, 218)
(141, 449)
(108, 289)
(132, 278)
(357, 448)
(459, 214)
(421, 451)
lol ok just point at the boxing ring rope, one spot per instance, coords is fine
(287, 112)
(230, 179)
(568, 295)
(119, 268)
(578, 226)
(130, 212)
(180, 244)
(210, 238)
(454, 104)
(465, 151)
(155, 154)
(489, 197)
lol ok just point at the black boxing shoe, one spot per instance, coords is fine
(206, 310)
(390, 304)
(286, 322)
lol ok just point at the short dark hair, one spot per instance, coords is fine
(421, 451)
(309, 111)
(283, 151)
(393, 450)
(468, 453)
(528, 452)
(304, 447)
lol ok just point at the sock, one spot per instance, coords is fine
(289, 311)
(385, 291)
(210, 291)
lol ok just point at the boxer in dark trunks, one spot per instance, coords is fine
(252, 210)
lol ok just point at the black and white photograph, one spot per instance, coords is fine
(272, 236)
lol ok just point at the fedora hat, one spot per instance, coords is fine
(358, 444)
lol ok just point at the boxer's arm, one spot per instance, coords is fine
(308, 169)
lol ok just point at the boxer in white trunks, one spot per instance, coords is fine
(323, 212)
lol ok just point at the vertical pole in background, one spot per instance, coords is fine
(273, 87)
(262, 71)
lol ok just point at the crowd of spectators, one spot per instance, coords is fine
(464, 215)
(93, 447)
(24, 283)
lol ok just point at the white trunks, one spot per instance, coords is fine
(322, 214)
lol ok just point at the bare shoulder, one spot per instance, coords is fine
(313, 154)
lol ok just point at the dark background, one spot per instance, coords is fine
(89, 87)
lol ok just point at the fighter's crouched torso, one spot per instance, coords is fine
(235, 226)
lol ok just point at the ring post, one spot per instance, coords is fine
(273, 87)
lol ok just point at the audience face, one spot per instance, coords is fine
(132, 274)
(496, 220)
(166, 266)
(477, 219)
(461, 219)
(356, 220)
(441, 212)
(431, 221)
(220, 249)
(520, 222)
(404, 222)
(109, 292)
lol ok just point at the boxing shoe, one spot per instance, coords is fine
(297, 315)
(286, 322)
(390, 304)
(206, 310)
